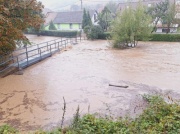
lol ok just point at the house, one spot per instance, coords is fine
(164, 29)
(69, 20)
(134, 4)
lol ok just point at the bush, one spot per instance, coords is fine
(52, 26)
(95, 32)
(59, 33)
(7, 130)
(165, 37)
(105, 35)
(159, 118)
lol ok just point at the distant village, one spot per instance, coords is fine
(71, 17)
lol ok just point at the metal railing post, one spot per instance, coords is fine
(50, 50)
(40, 54)
(58, 47)
(47, 47)
(27, 56)
(38, 48)
(18, 63)
(65, 43)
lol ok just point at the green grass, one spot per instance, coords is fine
(159, 117)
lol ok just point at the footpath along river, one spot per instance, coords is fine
(82, 76)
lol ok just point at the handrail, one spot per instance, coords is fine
(51, 47)
(36, 44)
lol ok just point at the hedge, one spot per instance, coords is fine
(59, 33)
(105, 35)
(154, 37)
(165, 37)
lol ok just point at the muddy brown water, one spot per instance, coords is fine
(82, 76)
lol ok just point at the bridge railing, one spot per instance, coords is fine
(36, 52)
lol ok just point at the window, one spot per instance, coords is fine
(70, 25)
(59, 26)
(165, 30)
(95, 17)
(80, 27)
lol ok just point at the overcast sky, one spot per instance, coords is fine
(52, 4)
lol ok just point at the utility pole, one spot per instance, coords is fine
(81, 4)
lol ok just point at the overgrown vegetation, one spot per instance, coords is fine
(159, 117)
(130, 26)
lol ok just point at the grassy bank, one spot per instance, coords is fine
(159, 117)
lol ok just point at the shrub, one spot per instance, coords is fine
(105, 35)
(95, 32)
(7, 130)
(59, 33)
(165, 37)
(52, 26)
(87, 29)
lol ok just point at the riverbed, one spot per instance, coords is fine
(82, 76)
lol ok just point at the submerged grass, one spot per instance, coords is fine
(159, 117)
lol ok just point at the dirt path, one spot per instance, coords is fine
(82, 75)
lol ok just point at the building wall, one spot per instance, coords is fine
(94, 22)
(172, 30)
(65, 27)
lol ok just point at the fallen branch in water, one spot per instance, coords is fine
(112, 85)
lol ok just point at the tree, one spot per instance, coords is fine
(164, 11)
(52, 26)
(89, 22)
(169, 17)
(112, 6)
(15, 17)
(86, 19)
(131, 26)
(102, 21)
(105, 13)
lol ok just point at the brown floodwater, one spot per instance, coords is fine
(82, 76)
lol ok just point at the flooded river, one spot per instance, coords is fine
(82, 76)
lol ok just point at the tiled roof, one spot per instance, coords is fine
(70, 17)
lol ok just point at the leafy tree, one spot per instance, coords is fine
(131, 26)
(177, 17)
(169, 17)
(15, 17)
(52, 26)
(164, 11)
(102, 21)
